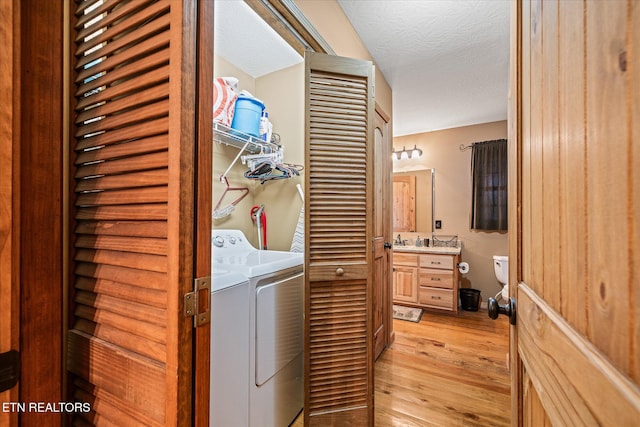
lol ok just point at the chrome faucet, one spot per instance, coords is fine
(398, 240)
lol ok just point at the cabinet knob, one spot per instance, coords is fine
(340, 271)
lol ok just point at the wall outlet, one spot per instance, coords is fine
(438, 224)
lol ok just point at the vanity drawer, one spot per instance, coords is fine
(436, 261)
(441, 298)
(405, 259)
(436, 278)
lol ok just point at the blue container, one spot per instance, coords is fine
(246, 117)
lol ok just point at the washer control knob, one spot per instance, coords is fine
(218, 241)
(232, 240)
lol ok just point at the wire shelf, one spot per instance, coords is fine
(223, 134)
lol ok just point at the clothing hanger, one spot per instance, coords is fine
(269, 170)
(225, 211)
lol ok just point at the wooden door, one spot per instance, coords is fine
(574, 218)
(382, 312)
(338, 246)
(141, 173)
(404, 203)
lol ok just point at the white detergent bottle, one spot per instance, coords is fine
(264, 126)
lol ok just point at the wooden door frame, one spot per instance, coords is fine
(9, 193)
(514, 125)
(203, 199)
(33, 177)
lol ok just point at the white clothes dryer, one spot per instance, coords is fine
(229, 398)
(276, 328)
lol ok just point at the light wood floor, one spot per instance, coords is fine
(444, 371)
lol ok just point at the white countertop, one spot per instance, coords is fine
(427, 250)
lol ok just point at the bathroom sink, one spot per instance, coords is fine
(427, 249)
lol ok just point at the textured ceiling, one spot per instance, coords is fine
(446, 61)
(245, 40)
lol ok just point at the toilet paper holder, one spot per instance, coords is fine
(463, 267)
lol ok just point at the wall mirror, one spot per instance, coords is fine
(413, 201)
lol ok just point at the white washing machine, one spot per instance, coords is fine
(276, 310)
(229, 404)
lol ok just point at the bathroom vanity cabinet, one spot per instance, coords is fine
(426, 277)
(405, 278)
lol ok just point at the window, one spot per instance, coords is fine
(489, 191)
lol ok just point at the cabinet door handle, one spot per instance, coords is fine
(435, 279)
(340, 271)
(435, 262)
(435, 297)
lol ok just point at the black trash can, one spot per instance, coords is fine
(469, 299)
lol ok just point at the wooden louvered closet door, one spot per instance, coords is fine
(134, 143)
(338, 247)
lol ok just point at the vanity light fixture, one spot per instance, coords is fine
(406, 154)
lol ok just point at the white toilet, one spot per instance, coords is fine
(501, 269)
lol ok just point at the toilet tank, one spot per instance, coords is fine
(501, 268)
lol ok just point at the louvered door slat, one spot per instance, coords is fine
(156, 229)
(136, 12)
(154, 110)
(123, 243)
(143, 312)
(131, 341)
(89, 80)
(124, 164)
(152, 78)
(89, 10)
(152, 297)
(119, 103)
(122, 39)
(157, 211)
(141, 261)
(126, 276)
(338, 350)
(123, 197)
(151, 127)
(141, 179)
(108, 152)
(145, 329)
(126, 57)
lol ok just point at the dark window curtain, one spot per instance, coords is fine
(489, 192)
